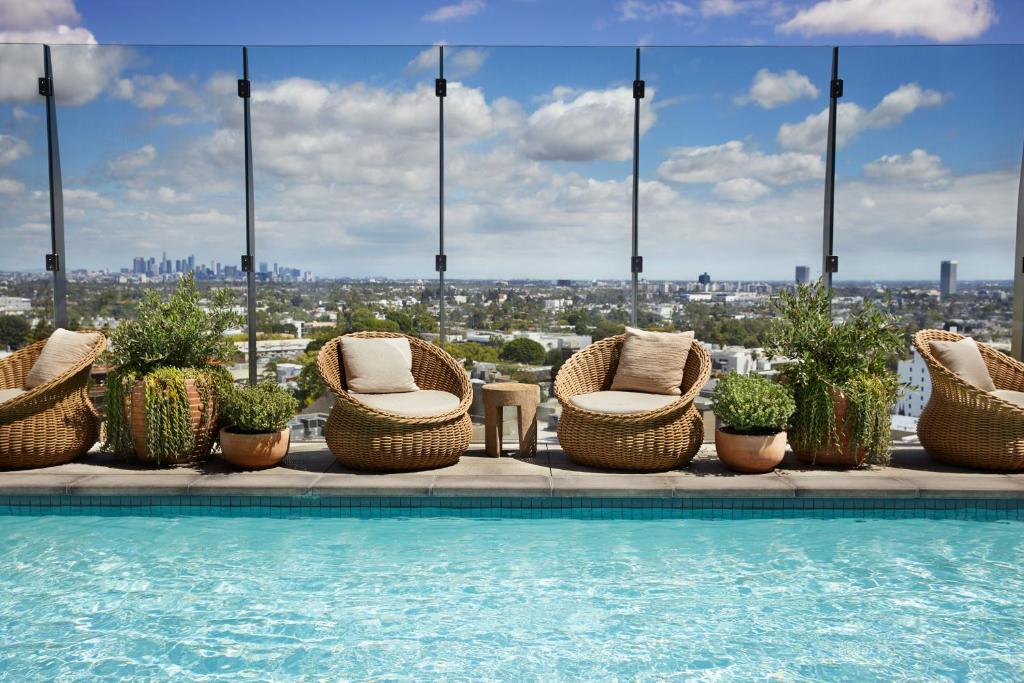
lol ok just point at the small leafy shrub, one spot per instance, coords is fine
(523, 350)
(752, 404)
(260, 409)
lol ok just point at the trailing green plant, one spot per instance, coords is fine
(752, 404)
(832, 360)
(259, 409)
(168, 343)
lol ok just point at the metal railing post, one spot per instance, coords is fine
(249, 258)
(636, 263)
(55, 261)
(829, 261)
(1017, 336)
(440, 261)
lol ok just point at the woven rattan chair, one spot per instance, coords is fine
(368, 439)
(51, 424)
(653, 441)
(963, 425)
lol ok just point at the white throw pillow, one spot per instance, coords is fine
(62, 351)
(652, 362)
(963, 359)
(378, 365)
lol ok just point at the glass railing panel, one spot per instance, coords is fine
(539, 145)
(26, 291)
(929, 147)
(345, 149)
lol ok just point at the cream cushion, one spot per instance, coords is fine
(8, 394)
(964, 360)
(1011, 396)
(381, 365)
(421, 403)
(62, 351)
(621, 402)
(652, 362)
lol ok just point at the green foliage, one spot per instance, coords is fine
(472, 352)
(14, 331)
(523, 350)
(176, 333)
(833, 359)
(258, 409)
(310, 386)
(752, 404)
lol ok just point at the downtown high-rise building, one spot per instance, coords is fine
(803, 275)
(947, 279)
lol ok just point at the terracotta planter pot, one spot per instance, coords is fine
(750, 454)
(833, 456)
(254, 451)
(199, 417)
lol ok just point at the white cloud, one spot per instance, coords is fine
(11, 186)
(152, 91)
(11, 149)
(584, 126)
(917, 167)
(720, 8)
(20, 15)
(648, 10)
(940, 20)
(731, 160)
(770, 89)
(77, 199)
(458, 62)
(427, 60)
(741, 189)
(459, 10)
(467, 61)
(131, 162)
(810, 135)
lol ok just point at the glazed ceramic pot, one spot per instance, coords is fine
(254, 451)
(750, 454)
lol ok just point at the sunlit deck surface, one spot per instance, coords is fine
(310, 469)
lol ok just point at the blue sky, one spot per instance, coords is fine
(538, 139)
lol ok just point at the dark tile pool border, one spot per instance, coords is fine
(511, 507)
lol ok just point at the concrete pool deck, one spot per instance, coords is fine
(310, 469)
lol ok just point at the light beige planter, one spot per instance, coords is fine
(254, 451)
(750, 454)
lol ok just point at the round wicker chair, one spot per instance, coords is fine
(653, 441)
(51, 424)
(368, 439)
(965, 426)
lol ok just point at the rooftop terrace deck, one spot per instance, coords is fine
(310, 469)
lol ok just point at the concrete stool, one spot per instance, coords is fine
(526, 398)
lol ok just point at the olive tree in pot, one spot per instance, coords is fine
(840, 377)
(255, 434)
(162, 392)
(755, 412)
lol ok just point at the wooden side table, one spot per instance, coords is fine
(526, 398)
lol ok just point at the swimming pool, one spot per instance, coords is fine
(405, 597)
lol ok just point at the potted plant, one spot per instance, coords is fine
(162, 393)
(840, 375)
(755, 412)
(255, 434)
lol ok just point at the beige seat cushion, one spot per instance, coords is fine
(421, 403)
(621, 402)
(652, 362)
(62, 351)
(8, 394)
(1011, 396)
(964, 359)
(381, 365)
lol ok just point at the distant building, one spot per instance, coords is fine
(913, 372)
(704, 279)
(264, 268)
(14, 305)
(803, 275)
(947, 279)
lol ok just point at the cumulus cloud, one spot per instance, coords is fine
(917, 167)
(11, 149)
(741, 189)
(940, 20)
(770, 89)
(131, 162)
(459, 10)
(810, 135)
(649, 10)
(584, 126)
(11, 186)
(732, 160)
(19, 15)
(152, 91)
(458, 62)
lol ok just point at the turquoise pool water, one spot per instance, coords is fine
(222, 599)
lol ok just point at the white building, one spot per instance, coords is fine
(915, 373)
(14, 305)
(286, 372)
